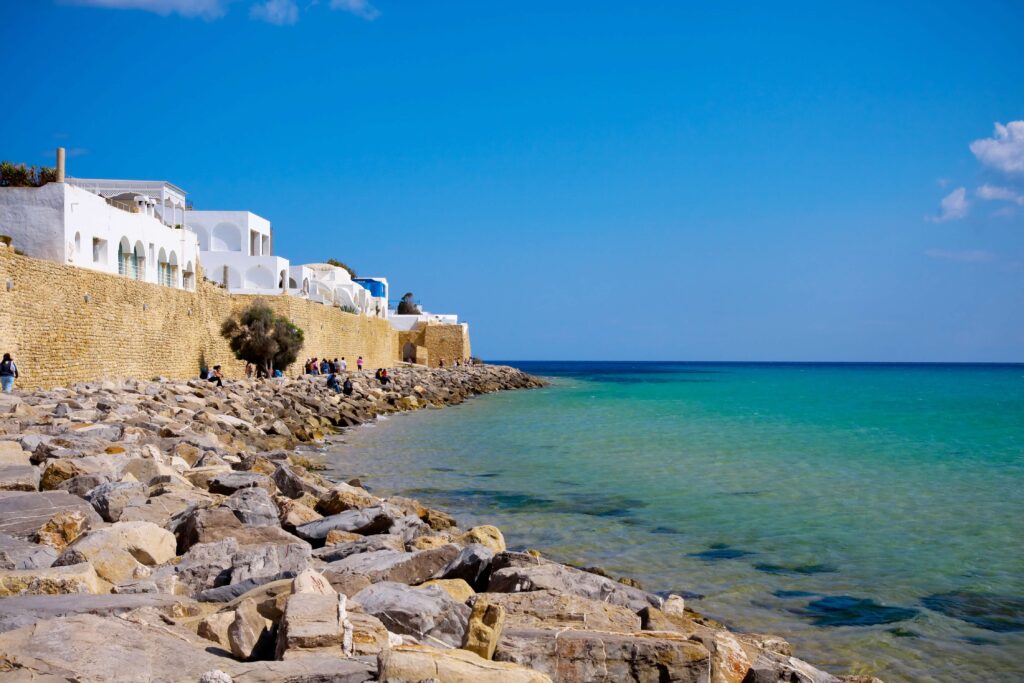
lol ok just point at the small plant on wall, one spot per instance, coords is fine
(338, 264)
(260, 337)
(20, 175)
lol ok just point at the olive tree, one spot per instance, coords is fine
(407, 306)
(262, 338)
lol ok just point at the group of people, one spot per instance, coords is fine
(324, 366)
(466, 362)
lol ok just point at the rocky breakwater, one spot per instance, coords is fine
(168, 531)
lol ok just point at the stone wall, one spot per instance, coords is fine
(66, 324)
(435, 343)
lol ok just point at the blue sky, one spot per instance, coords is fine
(581, 180)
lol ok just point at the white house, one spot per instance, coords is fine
(406, 322)
(332, 286)
(235, 250)
(128, 232)
(378, 289)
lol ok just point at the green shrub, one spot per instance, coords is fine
(262, 338)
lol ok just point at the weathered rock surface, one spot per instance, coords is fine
(25, 610)
(22, 513)
(253, 507)
(16, 553)
(77, 578)
(554, 609)
(391, 565)
(516, 572)
(428, 614)
(418, 663)
(577, 655)
(111, 499)
(486, 622)
(367, 521)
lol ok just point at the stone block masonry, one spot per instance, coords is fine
(66, 324)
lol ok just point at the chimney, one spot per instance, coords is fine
(60, 164)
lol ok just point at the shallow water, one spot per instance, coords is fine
(871, 514)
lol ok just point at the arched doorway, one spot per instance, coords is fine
(409, 352)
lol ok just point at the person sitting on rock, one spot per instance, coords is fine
(346, 388)
(216, 376)
(332, 383)
(384, 379)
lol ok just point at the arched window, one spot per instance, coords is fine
(126, 264)
(188, 277)
(140, 261)
(226, 237)
(78, 244)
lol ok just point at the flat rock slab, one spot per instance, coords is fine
(550, 609)
(309, 669)
(420, 663)
(427, 614)
(17, 553)
(86, 647)
(24, 610)
(375, 520)
(601, 657)
(19, 478)
(22, 513)
(518, 572)
(75, 578)
(391, 565)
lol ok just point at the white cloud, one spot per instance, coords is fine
(205, 9)
(1005, 150)
(967, 256)
(280, 12)
(360, 8)
(996, 193)
(954, 206)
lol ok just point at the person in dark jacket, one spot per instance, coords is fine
(8, 373)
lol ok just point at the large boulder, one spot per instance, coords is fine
(342, 497)
(269, 559)
(25, 610)
(553, 609)
(578, 656)
(769, 667)
(249, 634)
(517, 572)
(16, 553)
(486, 535)
(486, 622)
(367, 521)
(78, 578)
(427, 614)
(22, 513)
(391, 565)
(313, 623)
(414, 663)
(253, 507)
(207, 565)
(111, 499)
(62, 530)
(19, 478)
(293, 484)
(360, 544)
(472, 565)
(230, 482)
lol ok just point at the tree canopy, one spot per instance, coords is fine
(20, 175)
(338, 264)
(260, 337)
(407, 306)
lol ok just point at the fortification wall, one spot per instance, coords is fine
(66, 324)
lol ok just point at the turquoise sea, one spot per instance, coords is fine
(871, 514)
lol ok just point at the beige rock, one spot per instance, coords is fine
(292, 513)
(369, 637)
(553, 609)
(457, 588)
(215, 627)
(312, 581)
(76, 578)
(438, 520)
(13, 456)
(729, 663)
(311, 625)
(344, 497)
(247, 630)
(421, 663)
(428, 542)
(484, 631)
(674, 606)
(58, 471)
(336, 536)
(62, 529)
(486, 535)
(120, 551)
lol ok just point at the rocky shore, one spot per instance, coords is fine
(169, 531)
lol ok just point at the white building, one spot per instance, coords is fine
(405, 322)
(235, 250)
(333, 286)
(128, 231)
(378, 289)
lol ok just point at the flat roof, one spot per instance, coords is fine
(128, 184)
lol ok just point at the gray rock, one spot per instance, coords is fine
(253, 507)
(248, 633)
(428, 614)
(16, 553)
(83, 483)
(229, 482)
(235, 590)
(309, 669)
(600, 657)
(374, 520)
(25, 610)
(270, 559)
(207, 565)
(292, 484)
(770, 667)
(398, 566)
(22, 513)
(85, 647)
(333, 553)
(19, 478)
(112, 498)
(516, 572)
(472, 565)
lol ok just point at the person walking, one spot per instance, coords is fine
(8, 373)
